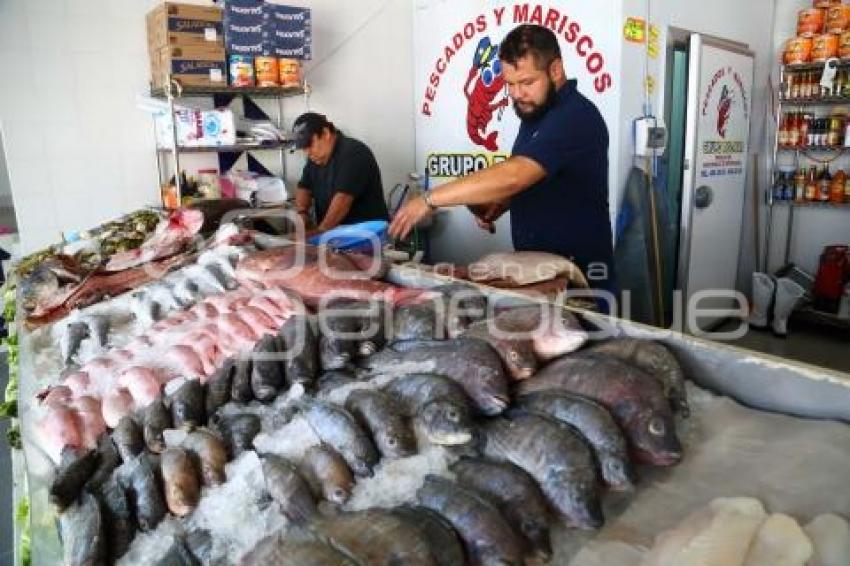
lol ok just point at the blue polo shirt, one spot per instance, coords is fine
(566, 213)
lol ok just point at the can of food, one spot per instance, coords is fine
(798, 50)
(825, 3)
(290, 72)
(810, 22)
(266, 68)
(838, 19)
(844, 45)
(824, 47)
(241, 70)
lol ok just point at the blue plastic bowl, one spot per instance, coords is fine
(353, 237)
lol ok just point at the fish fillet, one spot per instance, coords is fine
(779, 542)
(830, 535)
(716, 535)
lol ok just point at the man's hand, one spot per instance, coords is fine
(412, 213)
(488, 225)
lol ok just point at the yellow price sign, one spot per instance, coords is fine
(635, 30)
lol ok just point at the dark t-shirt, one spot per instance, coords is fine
(566, 213)
(352, 170)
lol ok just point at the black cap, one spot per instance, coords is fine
(305, 127)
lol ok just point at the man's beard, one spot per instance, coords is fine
(538, 110)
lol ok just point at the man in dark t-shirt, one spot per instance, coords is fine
(556, 181)
(341, 179)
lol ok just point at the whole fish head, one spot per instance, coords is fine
(520, 360)
(446, 423)
(398, 440)
(654, 440)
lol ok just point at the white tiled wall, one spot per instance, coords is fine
(80, 152)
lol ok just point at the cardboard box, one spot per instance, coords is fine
(192, 66)
(197, 128)
(184, 25)
(291, 31)
(245, 12)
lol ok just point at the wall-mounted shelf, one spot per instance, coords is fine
(813, 66)
(813, 204)
(816, 101)
(238, 148)
(839, 148)
(254, 92)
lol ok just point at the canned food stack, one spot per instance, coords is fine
(265, 43)
(823, 31)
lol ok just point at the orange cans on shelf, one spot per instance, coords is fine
(838, 19)
(825, 3)
(266, 71)
(798, 50)
(810, 22)
(290, 72)
(824, 47)
(844, 45)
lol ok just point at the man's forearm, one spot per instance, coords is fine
(497, 183)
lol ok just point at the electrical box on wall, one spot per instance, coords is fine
(650, 136)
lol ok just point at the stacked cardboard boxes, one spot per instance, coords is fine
(186, 41)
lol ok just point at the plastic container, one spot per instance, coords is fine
(798, 50)
(810, 22)
(838, 18)
(266, 71)
(354, 237)
(825, 46)
(290, 72)
(844, 305)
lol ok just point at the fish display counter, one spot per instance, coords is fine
(178, 422)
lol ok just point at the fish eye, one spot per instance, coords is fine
(656, 426)
(391, 441)
(339, 493)
(513, 355)
(452, 415)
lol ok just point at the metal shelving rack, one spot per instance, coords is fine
(783, 104)
(174, 91)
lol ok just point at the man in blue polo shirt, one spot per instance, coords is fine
(556, 181)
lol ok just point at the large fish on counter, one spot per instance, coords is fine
(317, 274)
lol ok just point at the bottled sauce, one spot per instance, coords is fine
(824, 184)
(800, 185)
(833, 136)
(783, 130)
(793, 130)
(845, 88)
(812, 185)
(805, 125)
(847, 190)
(836, 188)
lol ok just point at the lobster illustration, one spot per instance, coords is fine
(486, 71)
(724, 111)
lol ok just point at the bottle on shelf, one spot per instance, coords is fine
(847, 190)
(800, 185)
(811, 185)
(836, 188)
(824, 184)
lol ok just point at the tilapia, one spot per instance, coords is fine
(156, 419)
(288, 489)
(515, 494)
(279, 551)
(144, 489)
(327, 473)
(655, 359)
(464, 305)
(119, 523)
(525, 268)
(595, 424)
(471, 363)
(301, 346)
(218, 387)
(340, 323)
(238, 431)
(553, 330)
(267, 376)
(437, 404)
(108, 461)
(635, 400)
(211, 452)
(81, 531)
(377, 536)
(75, 468)
(129, 438)
(378, 414)
(187, 405)
(340, 430)
(373, 332)
(417, 322)
(443, 541)
(71, 339)
(241, 390)
(487, 536)
(517, 353)
(556, 457)
(180, 480)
